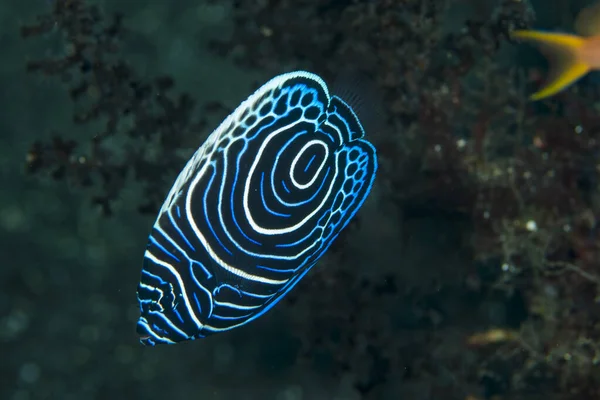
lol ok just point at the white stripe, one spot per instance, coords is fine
(168, 266)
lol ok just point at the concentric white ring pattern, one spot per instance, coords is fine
(253, 210)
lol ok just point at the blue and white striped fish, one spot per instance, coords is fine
(253, 210)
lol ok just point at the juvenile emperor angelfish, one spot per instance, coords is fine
(253, 210)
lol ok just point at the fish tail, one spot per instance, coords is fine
(564, 55)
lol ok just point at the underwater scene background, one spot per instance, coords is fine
(470, 272)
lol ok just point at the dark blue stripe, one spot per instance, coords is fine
(155, 242)
(262, 191)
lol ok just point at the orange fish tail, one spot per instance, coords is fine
(564, 53)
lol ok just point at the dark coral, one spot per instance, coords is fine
(142, 114)
(461, 141)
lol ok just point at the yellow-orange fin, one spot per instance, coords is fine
(564, 55)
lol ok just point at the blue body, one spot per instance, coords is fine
(253, 210)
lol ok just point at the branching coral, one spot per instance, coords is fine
(460, 139)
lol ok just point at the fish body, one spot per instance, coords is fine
(571, 56)
(253, 210)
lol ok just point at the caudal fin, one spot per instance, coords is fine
(564, 55)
